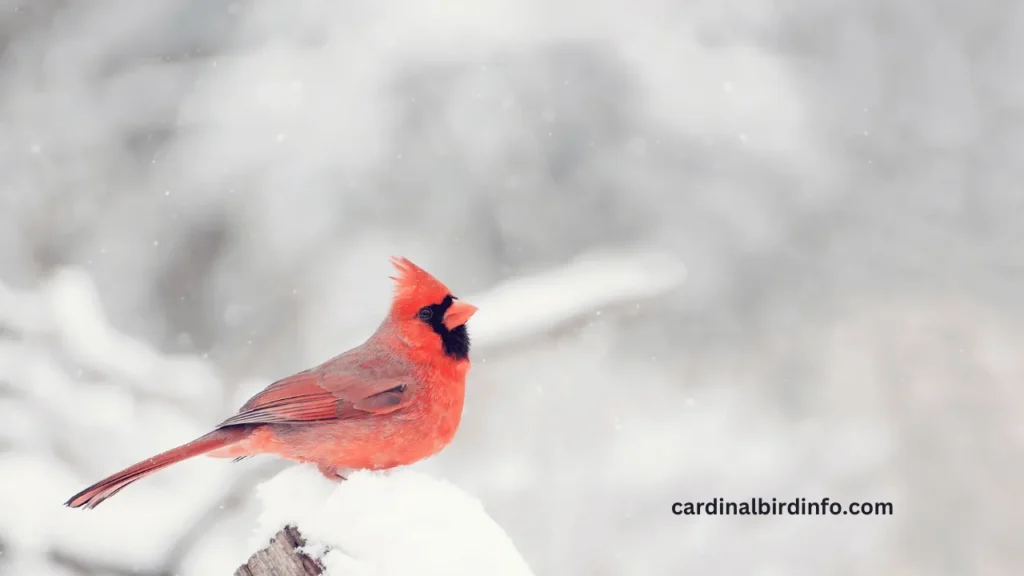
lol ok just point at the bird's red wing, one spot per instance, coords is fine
(311, 396)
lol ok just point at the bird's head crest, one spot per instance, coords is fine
(414, 286)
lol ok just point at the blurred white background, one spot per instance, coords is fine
(199, 196)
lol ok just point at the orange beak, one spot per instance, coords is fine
(458, 314)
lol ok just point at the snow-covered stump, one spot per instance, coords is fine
(397, 523)
(282, 557)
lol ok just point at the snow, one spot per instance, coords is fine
(590, 282)
(394, 523)
(79, 383)
(91, 341)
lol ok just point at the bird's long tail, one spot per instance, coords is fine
(94, 495)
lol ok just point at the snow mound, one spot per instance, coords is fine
(395, 523)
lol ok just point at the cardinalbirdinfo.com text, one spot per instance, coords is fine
(776, 507)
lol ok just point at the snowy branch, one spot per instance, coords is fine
(561, 296)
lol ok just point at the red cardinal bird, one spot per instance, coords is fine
(395, 399)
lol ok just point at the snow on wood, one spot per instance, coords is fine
(393, 523)
(282, 557)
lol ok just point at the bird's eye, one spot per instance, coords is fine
(425, 314)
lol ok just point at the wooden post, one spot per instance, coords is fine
(281, 558)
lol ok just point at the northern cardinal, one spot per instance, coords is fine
(391, 401)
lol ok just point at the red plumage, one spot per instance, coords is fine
(391, 401)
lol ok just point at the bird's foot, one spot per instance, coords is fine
(332, 472)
